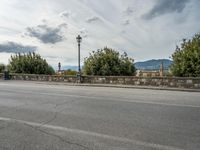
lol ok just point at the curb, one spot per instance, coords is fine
(140, 87)
(112, 86)
(122, 86)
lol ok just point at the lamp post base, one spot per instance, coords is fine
(6, 75)
(78, 80)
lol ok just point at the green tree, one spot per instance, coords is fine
(70, 72)
(2, 68)
(186, 58)
(108, 62)
(30, 63)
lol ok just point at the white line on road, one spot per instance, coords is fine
(88, 133)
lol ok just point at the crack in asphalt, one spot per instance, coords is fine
(1, 128)
(59, 137)
(51, 120)
(4, 126)
(55, 114)
(38, 128)
(15, 108)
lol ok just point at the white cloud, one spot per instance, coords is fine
(11, 47)
(114, 23)
(47, 34)
(166, 6)
(129, 11)
(93, 19)
(65, 14)
(126, 22)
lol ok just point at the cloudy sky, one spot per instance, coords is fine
(145, 29)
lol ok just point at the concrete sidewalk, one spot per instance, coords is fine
(122, 86)
(141, 87)
(109, 85)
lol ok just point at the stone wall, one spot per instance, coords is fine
(145, 81)
(1, 76)
(51, 78)
(125, 80)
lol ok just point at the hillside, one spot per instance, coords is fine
(153, 64)
(75, 68)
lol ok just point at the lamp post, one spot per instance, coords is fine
(79, 39)
(6, 73)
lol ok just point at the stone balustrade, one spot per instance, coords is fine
(177, 82)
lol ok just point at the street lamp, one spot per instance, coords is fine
(79, 39)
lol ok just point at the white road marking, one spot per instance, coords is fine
(88, 133)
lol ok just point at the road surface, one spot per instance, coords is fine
(40, 116)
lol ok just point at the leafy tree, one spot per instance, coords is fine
(108, 62)
(30, 63)
(186, 58)
(2, 68)
(70, 72)
(50, 70)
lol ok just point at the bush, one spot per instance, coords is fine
(30, 63)
(2, 68)
(186, 58)
(108, 62)
(70, 72)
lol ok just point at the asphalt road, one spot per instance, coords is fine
(40, 116)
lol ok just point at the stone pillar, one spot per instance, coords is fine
(59, 67)
(161, 69)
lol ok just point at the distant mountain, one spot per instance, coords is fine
(75, 68)
(146, 65)
(153, 64)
